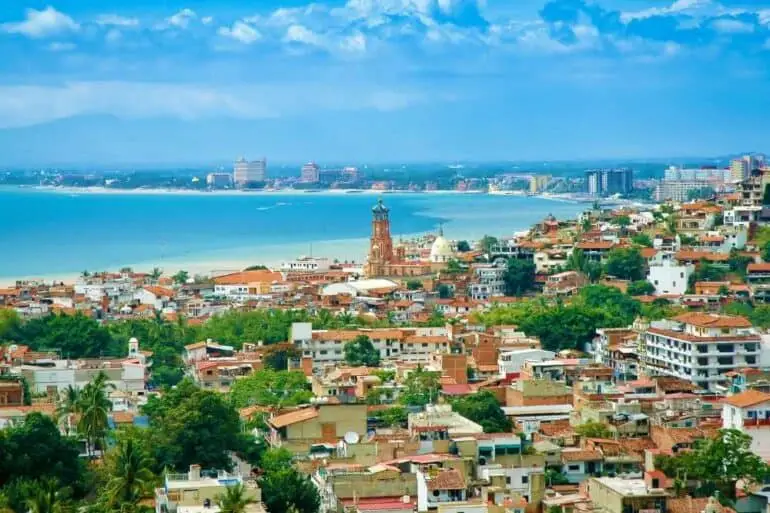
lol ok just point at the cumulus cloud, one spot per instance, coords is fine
(242, 32)
(732, 26)
(182, 19)
(40, 24)
(302, 34)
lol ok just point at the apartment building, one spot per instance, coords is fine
(701, 348)
(758, 279)
(197, 491)
(327, 347)
(488, 281)
(749, 412)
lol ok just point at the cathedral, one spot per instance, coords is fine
(387, 261)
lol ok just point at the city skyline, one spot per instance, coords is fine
(116, 82)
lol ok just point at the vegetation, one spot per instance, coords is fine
(128, 466)
(642, 239)
(361, 351)
(738, 263)
(413, 285)
(484, 409)
(463, 246)
(421, 387)
(626, 264)
(486, 243)
(392, 417)
(592, 429)
(271, 388)
(444, 291)
(519, 277)
(285, 489)
(640, 288)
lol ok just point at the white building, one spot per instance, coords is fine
(441, 251)
(742, 216)
(310, 173)
(306, 264)
(245, 172)
(669, 278)
(701, 347)
(510, 362)
(749, 412)
(219, 180)
(488, 281)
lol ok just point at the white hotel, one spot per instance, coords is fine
(701, 347)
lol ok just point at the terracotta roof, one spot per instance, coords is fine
(691, 505)
(159, 291)
(701, 255)
(747, 398)
(581, 455)
(260, 276)
(763, 267)
(595, 244)
(122, 417)
(293, 417)
(648, 252)
(341, 335)
(713, 320)
(436, 339)
(447, 480)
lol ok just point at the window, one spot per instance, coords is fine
(508, 480)
(573, 468)
(524, 479)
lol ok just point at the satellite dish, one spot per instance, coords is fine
(351, 437)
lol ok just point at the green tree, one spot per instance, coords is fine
(444, 291)
(519, 277)
(156, 274)
(592, 429)
(181, 277)
(46, 496)
(128, 466)
(766, 252)
(487, 243)
(623, 221)
(642, 239)
(256, 268)
(67, 407)
(738, 263)
(724, 290)
(463, 246)
(76, 336)
(484, 409)
(286, 490)
(640, 288)
(454, 267)
(235, 499)
(413, 285)
(192, 426)
(271, 388)
(93, 407)
(393, 417)
(625, 263)
(421, 387)
(361, 351)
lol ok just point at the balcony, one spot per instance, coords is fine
(748, 421)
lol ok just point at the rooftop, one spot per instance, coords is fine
(629, 487)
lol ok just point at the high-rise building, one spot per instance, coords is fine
(246, 173)
(603, 182)
(350, 174)
(538, 183)
(739, 169)
(219, 180)
(310, 173)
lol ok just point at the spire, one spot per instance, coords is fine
(441, 229)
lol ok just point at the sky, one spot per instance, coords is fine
(186, 81)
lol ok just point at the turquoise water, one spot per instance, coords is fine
(53, 233)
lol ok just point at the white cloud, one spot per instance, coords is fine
(240, 31)
(57, 46)
(115, 20)
(40, 24)
(181, 19)
(302, 34)
(354, 43)
(731, 26)
(113, 36)
(22, 105)
(207, 20)
(689, 7)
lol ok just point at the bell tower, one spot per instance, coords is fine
(380, 244)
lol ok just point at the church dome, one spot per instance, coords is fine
(441, 251)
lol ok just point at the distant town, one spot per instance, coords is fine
(667, 183)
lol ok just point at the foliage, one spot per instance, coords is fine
(285, 489)
(256, 268)
(420, 388)
(642, 239)
(687, 240)
(192, 426)
(623, 221)
(271, 388)
(717, 464)
(700, 193)
(486, 243)
(593, 430)
(76, 336)
(413, 285)
(394, 416)
(766, 252)
(519, 277)
(463, 246)
(444, 291)
(93, 407)
(706, 271)
(484, 409)
(46, 496)
(128, 466)
(577, 261)
(454, 267)
(181, 277)
(625, 263)
(361, 351)
(640, 288)
(35, 449)
(235, 499)
(738, 263)
(554, 477)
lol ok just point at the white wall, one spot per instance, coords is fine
(670, 279)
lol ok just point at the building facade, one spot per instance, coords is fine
(246, 173)
(310, 173)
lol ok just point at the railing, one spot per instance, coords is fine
(755, 422)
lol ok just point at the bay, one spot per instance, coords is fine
(55, 233)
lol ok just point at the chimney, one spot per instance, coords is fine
(195, 473)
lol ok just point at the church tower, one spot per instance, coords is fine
(380, 244)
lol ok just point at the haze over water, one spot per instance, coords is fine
(59, 234)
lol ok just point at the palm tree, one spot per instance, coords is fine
(45, 497)
(94, 409)
(235, 499)
(131, 477)
(69, 405)
(156, 274)
(5, 506)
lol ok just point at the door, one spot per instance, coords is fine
(328, 431)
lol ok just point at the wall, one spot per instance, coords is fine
(345, 418)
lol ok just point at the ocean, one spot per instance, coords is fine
(58, 234)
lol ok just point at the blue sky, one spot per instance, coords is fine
(133, 81)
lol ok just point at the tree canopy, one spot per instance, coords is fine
(271, 388)
(484, 409)
(519, 277)
(361, 351)
(625, 263)
(640, 288)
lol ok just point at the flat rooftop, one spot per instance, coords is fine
(629, 487)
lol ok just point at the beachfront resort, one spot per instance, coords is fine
(595, 364)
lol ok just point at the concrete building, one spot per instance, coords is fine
(488, 281)
(758, 279)
(678, 190)
(219, 180)
(509, 363)
(300, 429)
(618, 495)
(606, 182)
(310, 173)
(539, 183)
(669, 278)
(307, 264)
(739, 170)
(247, 173)
(749, 412)
(195, 492)
(701, 348)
